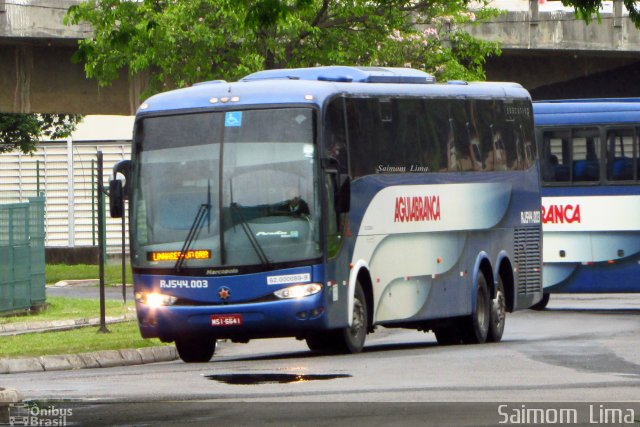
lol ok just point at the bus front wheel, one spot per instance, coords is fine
(318, 342)
(476, 326)
(351, 339)
(195, 349)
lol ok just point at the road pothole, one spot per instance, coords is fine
(252, 379)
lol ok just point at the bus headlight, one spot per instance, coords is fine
(155, 299)
(298, 291)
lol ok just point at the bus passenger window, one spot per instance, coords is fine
(497, 156)
(620, 155)
(586, 162)
(555, 159)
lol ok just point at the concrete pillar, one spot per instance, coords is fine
(617, 13)
(24, 71)
(3, 16)
(533, 12)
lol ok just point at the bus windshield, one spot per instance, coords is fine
(231, 188)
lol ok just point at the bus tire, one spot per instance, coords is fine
(351, 339)
(318, 342)
(542, 304)
(498, 314)
(196, 349)
(476, 326)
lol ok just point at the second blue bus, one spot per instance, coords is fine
(590, 195)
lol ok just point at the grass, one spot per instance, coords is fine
(61, 308)
(112, 273)
(85, 339)
(122, 335)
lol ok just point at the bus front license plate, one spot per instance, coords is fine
(226, 320)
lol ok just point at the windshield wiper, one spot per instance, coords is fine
(252, 238)
(204, 211)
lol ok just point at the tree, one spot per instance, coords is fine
(178, 43)
(587, 9)
(23, 131)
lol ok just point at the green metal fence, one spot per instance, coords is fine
(22, 265)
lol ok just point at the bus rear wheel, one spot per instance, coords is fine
(476, 326)
(498, 314)
(196, 349)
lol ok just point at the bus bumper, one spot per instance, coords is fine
(289, 317)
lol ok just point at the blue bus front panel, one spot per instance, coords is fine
(236, 307)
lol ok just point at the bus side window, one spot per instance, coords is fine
(434, 122)
(461, 152)
(585, 155)
(473, 139)
(497, 157)
(620, 154)
(335, 134)
(363, 127)
(555, 159)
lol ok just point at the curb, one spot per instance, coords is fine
(98, 359)
(10, 395)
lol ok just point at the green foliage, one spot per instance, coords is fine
(587, 9)
(23, 131)
(182, 42)
(86, 339)
(62, 308)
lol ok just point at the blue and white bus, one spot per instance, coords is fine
(318, 203)
(590, 195)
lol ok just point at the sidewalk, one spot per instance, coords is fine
(19, 328)
(88, 360)
(98, 359)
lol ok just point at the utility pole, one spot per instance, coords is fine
(101, 241)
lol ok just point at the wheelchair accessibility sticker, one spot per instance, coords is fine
(233, 119)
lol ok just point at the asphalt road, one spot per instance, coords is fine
(580, 354)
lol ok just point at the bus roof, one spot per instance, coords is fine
(586, 111)
(315, 85)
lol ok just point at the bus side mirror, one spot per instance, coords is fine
(122, 172)
(119, 188)
(116, 198)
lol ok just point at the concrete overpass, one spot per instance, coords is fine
(555, 55)
(36, 71)
(545, 48)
